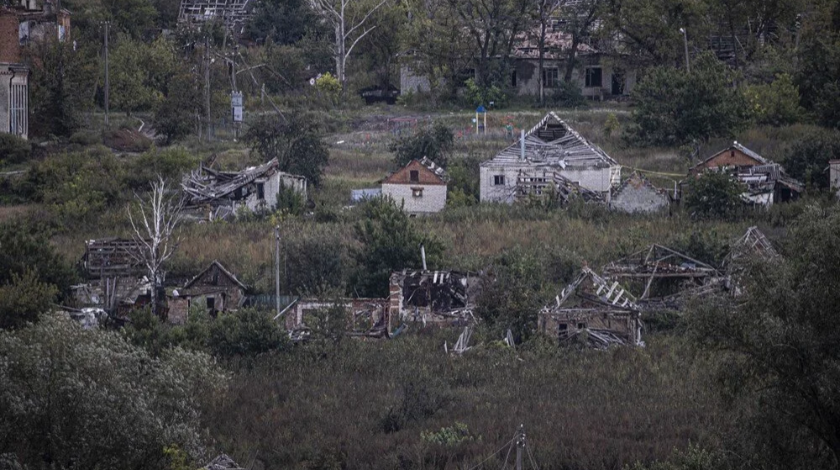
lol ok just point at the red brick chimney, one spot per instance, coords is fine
(9, 40)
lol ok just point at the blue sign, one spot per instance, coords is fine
(481, 109)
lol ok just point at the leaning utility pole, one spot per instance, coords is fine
(107, 80)
(277, 268)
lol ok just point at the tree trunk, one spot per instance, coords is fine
(570, 64)
(542, 59)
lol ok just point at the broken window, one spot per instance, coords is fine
(417, 192)
(562, 330)
(593, 77)
(581, 326)
(260, 191)
(498, 180)
(513, 79)
(211, 304)
(551, 78)
(414, 176)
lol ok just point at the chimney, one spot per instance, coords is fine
(522, 145)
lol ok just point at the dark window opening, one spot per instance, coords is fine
(593, 77)
(551, 78)
(513, 79)
(581, 326)
(417, 192)
(414, 176)
(260, 191)
(499, 180)
(562, 330)
(211, 304)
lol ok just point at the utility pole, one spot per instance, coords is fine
(207, 85)
(520, 445)
(685, 43)
(107, 78)
(277, 268)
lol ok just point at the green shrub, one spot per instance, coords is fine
(808, 157)
(568, 95)
(477, 95)
(86, 137)
(713, 195)
(775, 104)
(13, 149)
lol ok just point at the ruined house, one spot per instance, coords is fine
(595, 74)
(766, 183)
(437, 297)
(367, 318)
(222, 462)
(115, 277)
(420, 187)
(223, 193)
(637, 195)
(751, 246)
(214, 290)
(232, 13)
(662, 278)
(594, 310)
(549, 156)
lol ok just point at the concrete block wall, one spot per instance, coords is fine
(433, 198)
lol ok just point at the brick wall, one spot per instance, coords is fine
(9, 40)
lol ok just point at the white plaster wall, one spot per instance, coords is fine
(595, 179)
(271, 187)
(433, 199)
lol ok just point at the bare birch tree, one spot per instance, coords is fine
(153, 222)
(349, 18)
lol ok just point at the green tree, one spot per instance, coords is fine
(513, 294)
(435, 143)
(176, 115)
(389, 242)
(140, 73)
(60, 81)
(245, 333)
(25, 252)
(714, 195)
(808, 157)
(819, 62)
(674, 107)
(776, 103)
(73, 398)
(13, 149)
(777, 343)
(24, 300)
(295, 141)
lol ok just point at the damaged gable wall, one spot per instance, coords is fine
(442, 297)
(637, 195)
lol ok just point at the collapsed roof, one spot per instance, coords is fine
(207, 185)
(553, 143)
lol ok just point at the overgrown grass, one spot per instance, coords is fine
(364, 405)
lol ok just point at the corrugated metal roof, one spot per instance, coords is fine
(552, 142)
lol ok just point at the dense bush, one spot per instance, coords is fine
(72, 398)
(26, 252)
(568, 95)
(294, 140)
(713, 195)
(13, 149)
(776, 103)
(808, 157)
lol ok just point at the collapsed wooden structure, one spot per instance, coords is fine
(594, 310)
(668, 276)
(225, 192)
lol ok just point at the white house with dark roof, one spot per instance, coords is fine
(551, 148)
(420, 187)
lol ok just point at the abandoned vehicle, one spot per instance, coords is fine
(223, 193)
(637, 195)
(766, 182)
(214, 290)
(550, 155)
(420, 187)
(595, 311)
(438, 297)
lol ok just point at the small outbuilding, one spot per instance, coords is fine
(215, 290)
(419, 186)
(637, 195)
